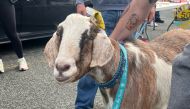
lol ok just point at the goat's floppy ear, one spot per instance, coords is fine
(51, 49)
(102, 51)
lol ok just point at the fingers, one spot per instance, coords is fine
(81, 9)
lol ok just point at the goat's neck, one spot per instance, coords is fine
(105, 73)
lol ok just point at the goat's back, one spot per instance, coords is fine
(150, 69)
(170, 43)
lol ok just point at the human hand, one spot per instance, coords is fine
(151, 14)
(81, 9)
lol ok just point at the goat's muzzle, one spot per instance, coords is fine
(65, 70)
(62, 67)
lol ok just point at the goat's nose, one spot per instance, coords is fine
(62, 67)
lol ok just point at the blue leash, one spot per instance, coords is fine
(142, 29)
(123, 82)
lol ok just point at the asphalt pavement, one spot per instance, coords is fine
(37, 88)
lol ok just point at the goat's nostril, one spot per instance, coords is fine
(66, 67)
(62, 68)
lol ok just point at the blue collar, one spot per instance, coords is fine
(119, 72)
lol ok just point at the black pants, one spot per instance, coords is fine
(157, 15)
(8, 21)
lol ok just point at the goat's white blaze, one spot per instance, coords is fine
(73, 28)
(71, 38)
(163, 76)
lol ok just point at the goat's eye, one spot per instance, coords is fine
(59, 31)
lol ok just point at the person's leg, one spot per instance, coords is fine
(86, 91)
(8, 20)
(1, 66)
(157, 17)
(180, 85)
(9, 26)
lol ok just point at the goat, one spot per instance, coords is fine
(77, 48)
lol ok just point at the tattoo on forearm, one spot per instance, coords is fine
(133, 22)
(152, 1)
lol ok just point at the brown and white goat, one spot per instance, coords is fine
(77, 49)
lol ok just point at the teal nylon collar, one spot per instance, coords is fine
(123, 82)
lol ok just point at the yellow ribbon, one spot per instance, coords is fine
(98, 16)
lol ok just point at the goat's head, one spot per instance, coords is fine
(77, 46)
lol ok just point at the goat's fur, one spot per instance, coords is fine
(81, 50)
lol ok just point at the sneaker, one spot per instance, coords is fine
(1, 66)
(22, 64)
(152, 24)
(159, 20)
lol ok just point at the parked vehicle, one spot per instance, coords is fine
(39, 18)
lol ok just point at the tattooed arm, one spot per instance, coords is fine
(132, 17)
